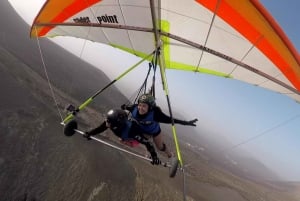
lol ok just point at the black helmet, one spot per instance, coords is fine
(148, 99)
(117, 118)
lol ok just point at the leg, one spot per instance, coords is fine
(161, 145)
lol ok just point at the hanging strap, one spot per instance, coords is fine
(143, 88)
(154, 64)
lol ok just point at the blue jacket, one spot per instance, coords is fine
(147, 123)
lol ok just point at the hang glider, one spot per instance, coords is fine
(228, 38)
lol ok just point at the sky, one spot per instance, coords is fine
(259, 121)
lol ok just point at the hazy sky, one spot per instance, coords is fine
(262, 122)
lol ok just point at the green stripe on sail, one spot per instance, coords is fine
(170, 64)
(131, 51)
(186, 67)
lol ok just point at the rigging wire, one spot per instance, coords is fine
(47, 76)
(262, 133)
(208, 33)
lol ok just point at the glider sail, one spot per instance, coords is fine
(228, 38)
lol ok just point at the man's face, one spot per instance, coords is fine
(143, 108)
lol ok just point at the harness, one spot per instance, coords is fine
(147, 124)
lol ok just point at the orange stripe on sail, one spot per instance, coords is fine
(59, 11)
(249, 21)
